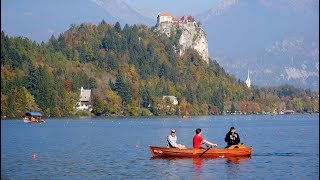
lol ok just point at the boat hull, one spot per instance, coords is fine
(33, 117)
(33, 120)
(233, 151)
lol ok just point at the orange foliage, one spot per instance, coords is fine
(68, 85)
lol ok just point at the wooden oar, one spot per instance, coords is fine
(208, 147)
(205, 151)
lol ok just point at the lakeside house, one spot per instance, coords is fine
(169, 103)
(172, 99)
(85, 100)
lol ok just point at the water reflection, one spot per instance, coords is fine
(197, 168)
(237, 160)
(197, 164)
(203, 167)
(236, 165)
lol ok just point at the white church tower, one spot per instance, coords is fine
(248, 81)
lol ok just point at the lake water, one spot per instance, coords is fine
(285, 147)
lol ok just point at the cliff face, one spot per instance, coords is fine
(192, 36)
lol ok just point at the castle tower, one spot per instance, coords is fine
(248, 81)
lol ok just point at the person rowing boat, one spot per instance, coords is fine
(198, 140)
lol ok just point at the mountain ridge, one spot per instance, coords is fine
(257, 33)
(268, 47)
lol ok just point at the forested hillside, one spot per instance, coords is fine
(129, 70)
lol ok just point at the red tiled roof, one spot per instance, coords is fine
(176, 19)
(164, 14)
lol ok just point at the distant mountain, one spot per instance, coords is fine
(148, 13)
(49, 21)
(277, 41)
(39, 24)
(124, 13)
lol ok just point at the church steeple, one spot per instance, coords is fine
(248, 81)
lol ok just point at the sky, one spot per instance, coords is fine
(29, 17)
(19, 14)
(39, 19)
(177, 7)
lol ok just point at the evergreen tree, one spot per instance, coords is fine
(30, 81)
(233, 108)
(123, 89)
(49, 75)
(145, 97)
(117, 27)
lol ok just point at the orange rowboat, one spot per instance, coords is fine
(232, 151)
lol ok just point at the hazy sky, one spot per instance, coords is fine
(178, 7)
(39, 19)
(29, 17)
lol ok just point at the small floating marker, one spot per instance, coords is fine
(136, 145)
(34, 156)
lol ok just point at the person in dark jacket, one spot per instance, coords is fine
(232, 138)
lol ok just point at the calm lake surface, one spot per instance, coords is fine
(285, 147)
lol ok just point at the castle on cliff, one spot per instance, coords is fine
(191, 34)
(166, 17)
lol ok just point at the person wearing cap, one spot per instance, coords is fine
(232, 138)
(198, 140)
(172, 141)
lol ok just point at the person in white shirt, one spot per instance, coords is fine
(172, 141)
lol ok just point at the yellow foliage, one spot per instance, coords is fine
(113, 103)
(4, 105)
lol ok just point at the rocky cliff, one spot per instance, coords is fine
(190, 36)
